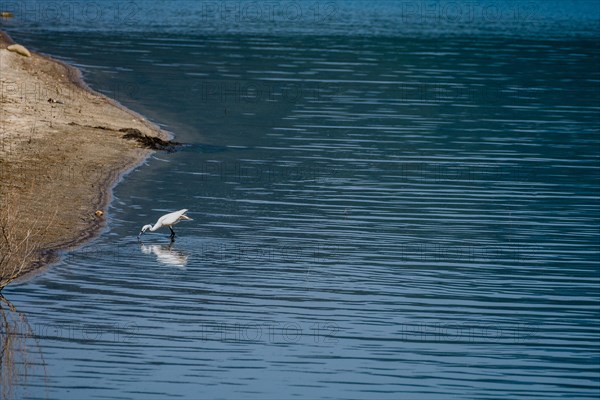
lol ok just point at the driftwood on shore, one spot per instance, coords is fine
(146, 141)
(150, 142)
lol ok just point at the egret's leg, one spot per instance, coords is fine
(172, 233)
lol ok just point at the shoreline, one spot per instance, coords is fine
(60, 159)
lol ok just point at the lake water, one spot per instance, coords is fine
(390, 200)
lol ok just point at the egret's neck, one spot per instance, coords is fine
(155, 227)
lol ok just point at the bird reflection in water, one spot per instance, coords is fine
(166, 254)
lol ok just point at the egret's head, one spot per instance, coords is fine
(144, 229)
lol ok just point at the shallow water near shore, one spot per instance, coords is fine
(378, 215)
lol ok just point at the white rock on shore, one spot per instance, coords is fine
(17, 48)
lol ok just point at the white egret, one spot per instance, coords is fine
(167, 220)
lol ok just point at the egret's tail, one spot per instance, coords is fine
(185, 217)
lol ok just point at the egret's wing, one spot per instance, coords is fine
(172, 218)
(167, 219)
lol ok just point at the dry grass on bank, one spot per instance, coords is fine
(20, 245)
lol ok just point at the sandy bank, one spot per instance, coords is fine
(61, 152)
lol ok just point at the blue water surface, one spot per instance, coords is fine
(391, 199)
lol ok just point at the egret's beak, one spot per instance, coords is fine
(140, 235)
